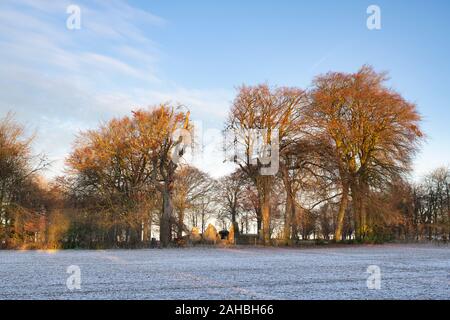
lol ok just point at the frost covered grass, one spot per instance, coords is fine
(407, 272)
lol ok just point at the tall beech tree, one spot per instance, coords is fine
(163, 124)
(270, 115)
(374, 130)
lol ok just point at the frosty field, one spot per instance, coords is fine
(407, 272)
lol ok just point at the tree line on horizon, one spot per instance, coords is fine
(344, 150)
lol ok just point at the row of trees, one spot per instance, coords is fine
(349, 136)
(331, 162)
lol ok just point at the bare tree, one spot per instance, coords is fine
(229, 194)
(191, 190)
(273, 114)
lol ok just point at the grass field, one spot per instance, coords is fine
(407, 272)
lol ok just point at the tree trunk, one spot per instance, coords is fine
(341, 214)
(165, 228)
(233, 216)
(149, 221)
(180, 223)
(266, 221)
(356, 200)
(363, 210)
(288, 218)
(234, 223)
(359, 190)
(146, 229)
(265, 209)
(203, 222)
(289, 214)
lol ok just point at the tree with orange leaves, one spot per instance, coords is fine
(128, 159)
(20, 187)
(374, 132)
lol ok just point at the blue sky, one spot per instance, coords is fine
(131, 54)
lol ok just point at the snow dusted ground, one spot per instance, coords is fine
(407, 272)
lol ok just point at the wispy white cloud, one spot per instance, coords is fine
(60, 81)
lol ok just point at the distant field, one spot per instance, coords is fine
(407, 272)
